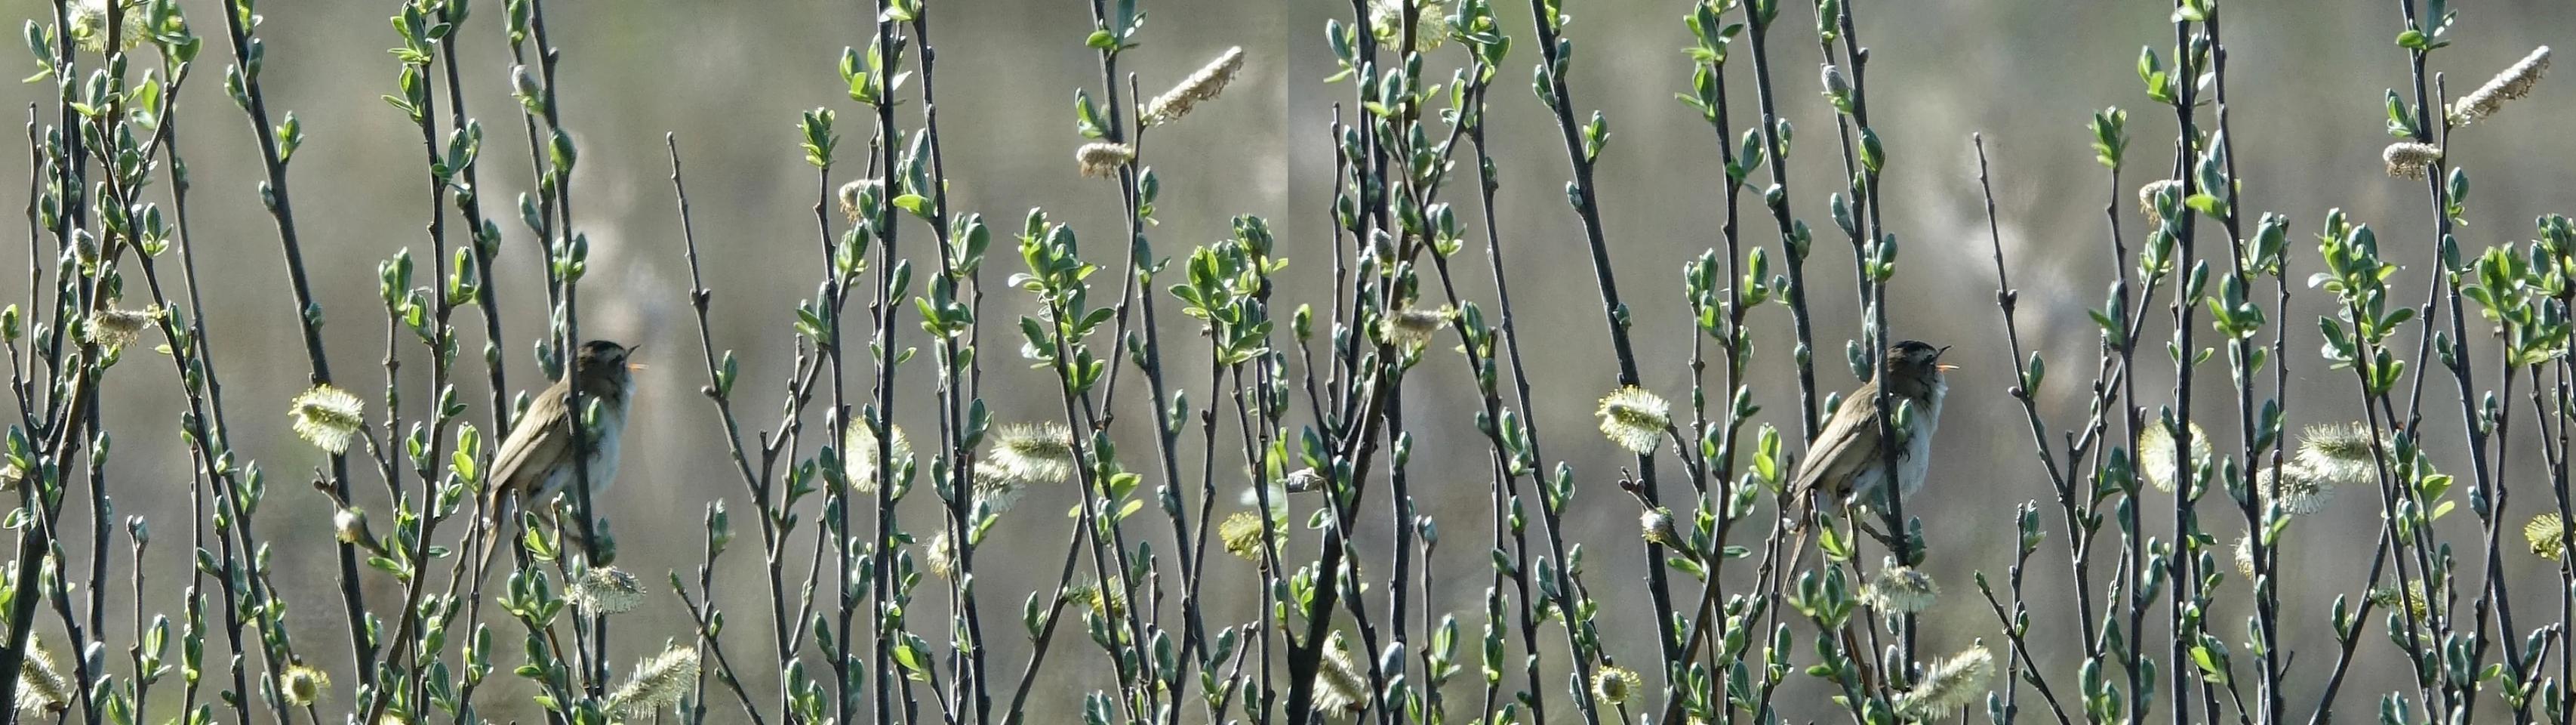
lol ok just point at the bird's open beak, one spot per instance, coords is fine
(631, 364)
(1942, 366)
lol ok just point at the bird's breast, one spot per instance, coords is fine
(1917, 463)
(612, 429)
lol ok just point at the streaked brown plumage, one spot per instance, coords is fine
(1845, 463)
(536, 462)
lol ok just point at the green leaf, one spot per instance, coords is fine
(2207, 204)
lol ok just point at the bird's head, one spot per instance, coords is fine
(606, 360)
(1915, 358)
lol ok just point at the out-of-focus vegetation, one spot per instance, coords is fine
(1031, 362)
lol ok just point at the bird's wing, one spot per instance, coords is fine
(1846, 444)
(531, 449)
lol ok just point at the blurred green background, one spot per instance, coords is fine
(728, 78)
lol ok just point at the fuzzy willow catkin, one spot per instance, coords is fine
(1203, 85)
(2515, 82)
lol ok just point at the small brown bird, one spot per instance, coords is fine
(1846, 463)
(536, 462)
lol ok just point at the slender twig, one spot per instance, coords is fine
(273, 192)
(1580, 154)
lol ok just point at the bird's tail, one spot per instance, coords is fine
(1851, 642)
(1799, 511)
(1797, 551)
(498, 511)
